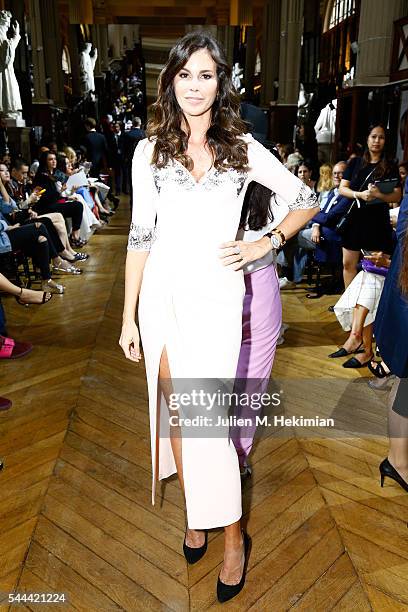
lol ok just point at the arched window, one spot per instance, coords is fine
(337, 11)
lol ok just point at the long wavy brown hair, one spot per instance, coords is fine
(403, 276)
(385, 164)
(167, 118)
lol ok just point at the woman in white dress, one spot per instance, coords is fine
(189, 180)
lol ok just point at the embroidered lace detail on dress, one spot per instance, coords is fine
(306, 199)
(172, 173)
(141, 238)
(175, 172)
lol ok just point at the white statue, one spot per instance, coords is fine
(237, 76)
(10, 100)
(304, 102)
(325, 129)
(87, 63)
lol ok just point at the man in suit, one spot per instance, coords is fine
(96, 147)
(130, 140)
(322, 226)
(115, 145)
(320, 234)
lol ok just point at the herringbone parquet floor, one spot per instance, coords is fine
(75, 511)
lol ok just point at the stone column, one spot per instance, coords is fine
(80, 11)
(225, 34)
(270, 49)
(283, 115)
(114, 37)
(40, 91)
(250, 59)
(52, 50)
(241, 12)
(375, 39)
(290, 51)
(100, 43)
(74, 53)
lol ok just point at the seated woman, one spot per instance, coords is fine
(16, 217)
(19, 188)
(32, 241)
(325, 184)
(304, 172)
(78, 194)
(356, 311)
(52, 201)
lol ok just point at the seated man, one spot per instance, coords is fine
(320, 234)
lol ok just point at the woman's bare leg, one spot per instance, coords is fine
(234, 554)
(350, 261)
(59, 223)
(360, 333)
(234, 547)
(8, 287)
(194, 538)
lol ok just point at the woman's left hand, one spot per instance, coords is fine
(237, 253)
(379, 259)
(375, 192)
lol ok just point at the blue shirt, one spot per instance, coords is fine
(5, 244)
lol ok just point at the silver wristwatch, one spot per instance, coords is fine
(275, 241)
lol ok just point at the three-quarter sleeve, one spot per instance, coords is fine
(142, 231)
(265, 169)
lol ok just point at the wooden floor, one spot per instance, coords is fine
(75, 510)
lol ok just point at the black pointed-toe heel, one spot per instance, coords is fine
(386, 469)
(343, 353)
(193, 555)
(225, 592)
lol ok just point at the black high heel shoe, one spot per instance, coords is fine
(193, 555)
(386, 469)
(225, 592)
(378, 369)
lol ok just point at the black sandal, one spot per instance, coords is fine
(45, 298)
(378, 370)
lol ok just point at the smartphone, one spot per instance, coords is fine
(366, 253)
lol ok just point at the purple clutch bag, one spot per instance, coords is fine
(369, 266)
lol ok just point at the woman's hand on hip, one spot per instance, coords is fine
(237, 253)
(383, 260)
(130, 341)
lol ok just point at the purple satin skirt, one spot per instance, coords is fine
(261, 323)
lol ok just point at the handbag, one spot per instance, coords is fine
(369, 266)
(343, 222)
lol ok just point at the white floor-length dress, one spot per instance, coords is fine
(192, 305)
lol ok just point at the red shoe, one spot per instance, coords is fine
(5, 404)
(12, 349)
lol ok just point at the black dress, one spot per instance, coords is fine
(369, 226)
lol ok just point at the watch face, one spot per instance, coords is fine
(275, 241)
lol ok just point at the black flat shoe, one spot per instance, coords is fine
(193, 555)
(225, 592)
(355, 363)
(343, 353)
(386, 469)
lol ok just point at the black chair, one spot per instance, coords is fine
(15, 265)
